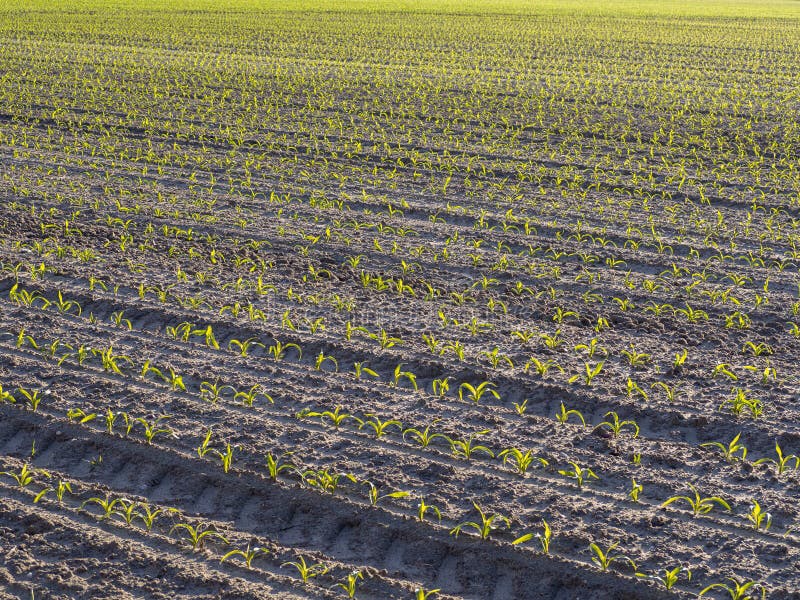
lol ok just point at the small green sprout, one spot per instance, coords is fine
(604, 559)
(485, 526)
(698, 504)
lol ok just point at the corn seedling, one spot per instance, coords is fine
(422, 510)
(248, 554)
(475, 393)
(758, 518)
(244, 347)
(125, 509)
(148, 515)
(636, 489)
(440, 387)
(196, 535)
(107, 504)
(153, 428)
(379, 427)
(521, 461)
(350, 583)
(590, 372)
(782, 463)
(483, 527)
(668, 577)
(322, 358)
(544, 538)
(399, 374)
(467, 447)
(699, 505)
(25, 475)
(604, 559)
(305, 570)
(336, 417)
(542, 367)
(360, 369)
(79, 415)
(278, 350)
(423, 594)
(737, 590)
(615, 426)
(61, 488)
(563, 415)
(226, 457)
(731, 452)
(424, 437)
(579, 474)
(204, 447)
(249, 396)
(275, 465)
(741, 404)
(110, 361)
(324, 480)
(375, 497)
(32, 398)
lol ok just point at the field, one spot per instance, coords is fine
(389, 300)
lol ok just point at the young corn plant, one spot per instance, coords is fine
(336, 417)
(636, 489)
(485, 525)
(440, 387)
(699, 505)
(424, 437)
(475, 393)
(542, 367)
(591, 372)
(375, 496)
(226, 457)
(423, 594)
(322, 358)
(324, 480)
(153, 428)
(544, 538)
(615, 426)
(32, 398)
(668, 577)
(400, 374)
(305, 570)
(244, 347)
(466, 447)
(737, 589)
(605, 558)
(782, 463)
(579, 474)
(248, 554)
(196, 535)
(521, 407)
(350, 583)
(379, 428)
(249, 396)
(278, 350)
(61, 488)
(732, 451)
(25, 476)
(521, 461)
(359, 369)
(758, 518)
(148, 514)
(422, 510)
(743, 404)
(278, 464)
(107, 504)
(563, 415)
